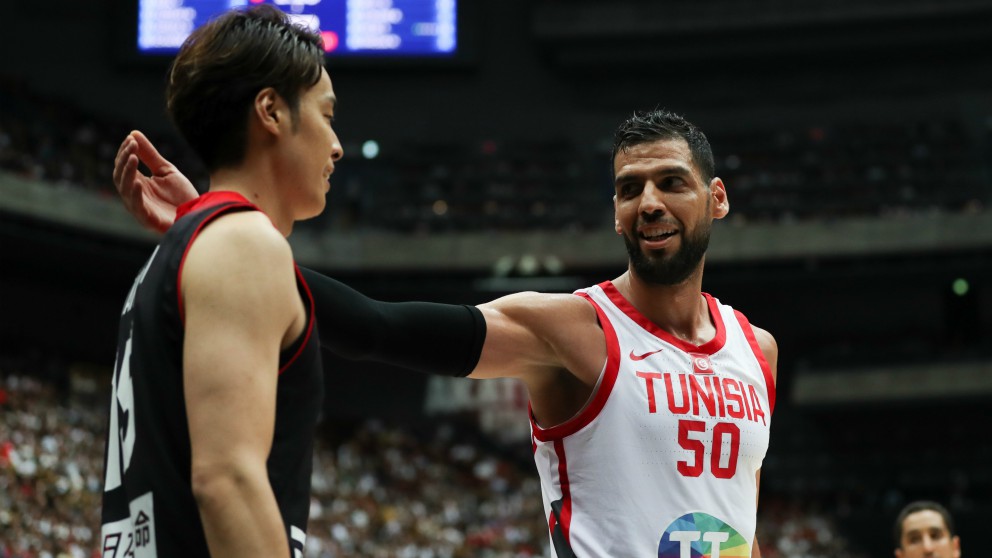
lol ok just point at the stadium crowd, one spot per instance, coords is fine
(50, 472)
(439, 490)
(785, 173)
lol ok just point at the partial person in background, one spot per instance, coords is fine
(650, 400)
(925, 529)
(218, 381)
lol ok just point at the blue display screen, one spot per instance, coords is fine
(403, 28)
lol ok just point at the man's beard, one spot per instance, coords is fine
(673, 269)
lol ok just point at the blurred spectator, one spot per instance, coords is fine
(797, 528)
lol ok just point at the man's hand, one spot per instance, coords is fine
(151, 199)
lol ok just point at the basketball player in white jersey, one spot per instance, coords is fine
(650, 400)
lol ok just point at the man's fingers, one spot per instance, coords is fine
(129, 189)
(149, 155)
(123, 154)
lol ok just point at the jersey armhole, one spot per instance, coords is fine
(601, 393)
(296, 347)
(766, 369)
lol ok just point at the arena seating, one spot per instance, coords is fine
(434, 490)
(787, 173)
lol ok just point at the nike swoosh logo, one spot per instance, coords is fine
(636, 358)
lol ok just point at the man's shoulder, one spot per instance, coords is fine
(245, 233)
(544, 306)
(243, 246)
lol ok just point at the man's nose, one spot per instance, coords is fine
(652, 199)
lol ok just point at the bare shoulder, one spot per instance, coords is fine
(245, 234)
(766, 341)
(531, 335)
(238, 254)
(542, 305)
(548, 315)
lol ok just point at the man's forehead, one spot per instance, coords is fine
(924, 520)
(677, 144)
(673, 154)
(661, 148)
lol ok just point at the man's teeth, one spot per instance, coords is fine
(657, 235)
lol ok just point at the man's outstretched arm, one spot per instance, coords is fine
(432, 338)
(428, 337)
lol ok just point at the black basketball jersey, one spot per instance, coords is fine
(148, 505)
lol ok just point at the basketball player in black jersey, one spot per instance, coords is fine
(218, 381)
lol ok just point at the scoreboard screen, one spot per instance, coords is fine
(414, 29)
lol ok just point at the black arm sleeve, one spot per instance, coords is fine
(443, 339)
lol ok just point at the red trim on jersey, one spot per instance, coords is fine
(566, 490)
(210, 200)
(591, 411)
(709, 348)
(310, 321)
(766, 369)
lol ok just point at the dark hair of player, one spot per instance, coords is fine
(223, 65)
(655, 125)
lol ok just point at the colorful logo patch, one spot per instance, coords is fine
(700, 535)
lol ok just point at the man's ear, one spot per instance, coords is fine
(720, 205)
(616, 219)
(267, 110)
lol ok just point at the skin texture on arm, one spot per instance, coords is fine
(552, 342)
(151, 199)
(241, 308)
(770, 349)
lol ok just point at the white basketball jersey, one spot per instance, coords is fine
(662, 460)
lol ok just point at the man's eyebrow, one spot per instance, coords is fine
(677, 170)
(330, 98)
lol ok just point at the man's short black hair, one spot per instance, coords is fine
(658, 124)
(918, 506)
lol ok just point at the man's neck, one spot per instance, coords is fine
(257, 184)
(678, 309)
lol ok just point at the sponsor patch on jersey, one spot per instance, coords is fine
(132, 536)
(700, 535)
